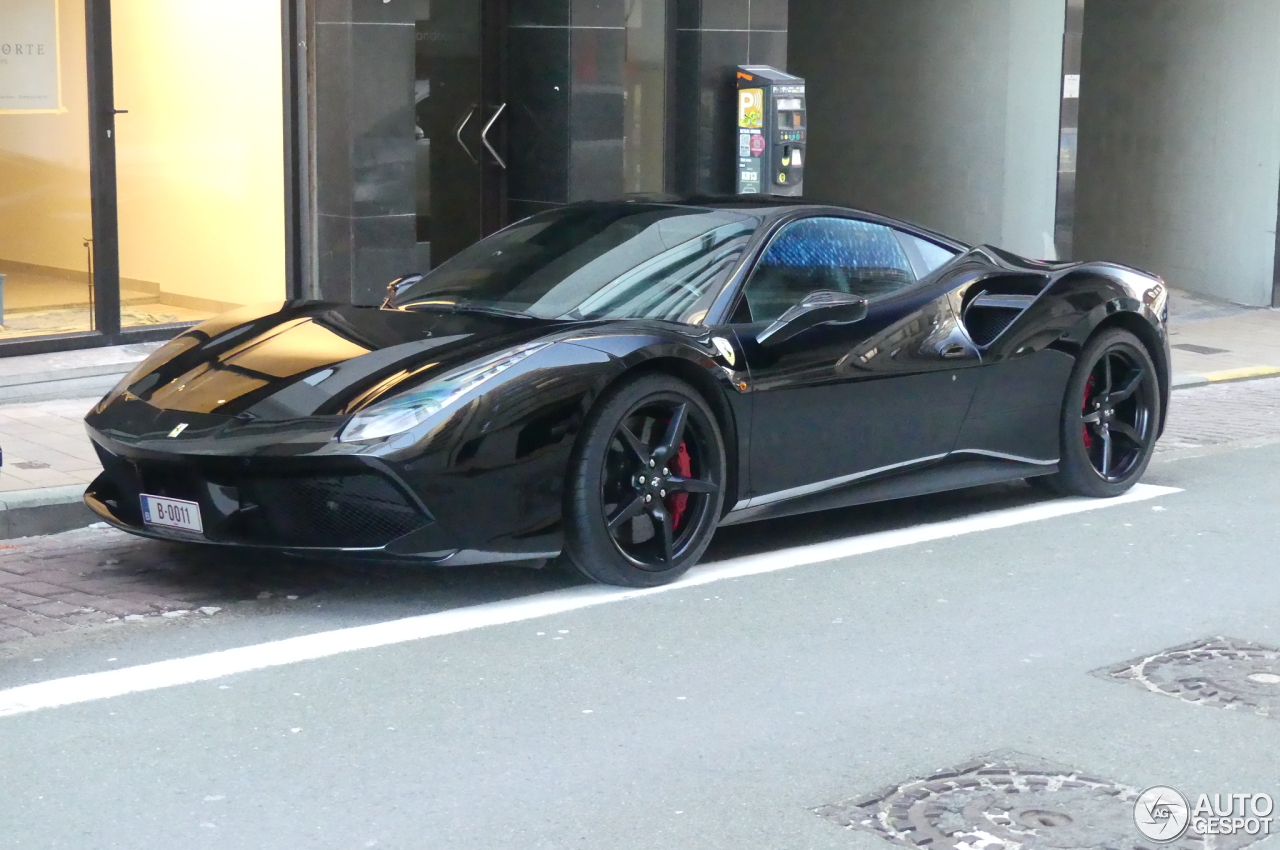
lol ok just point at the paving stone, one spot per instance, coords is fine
(18, 599)
(105, 586)
(8, 633)
(55, 609)
(83, 600)
(38, 588)
(36, 625)
(122, 608)
(56, 576)
(23, 567)
(85, 618)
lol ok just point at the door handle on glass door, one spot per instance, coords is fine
(457, 134)
(484, 137)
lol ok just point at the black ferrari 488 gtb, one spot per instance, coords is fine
(611, 382)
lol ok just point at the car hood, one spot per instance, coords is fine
(315, 359)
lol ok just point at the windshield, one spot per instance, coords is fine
(614, 261)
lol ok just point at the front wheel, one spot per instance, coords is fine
(1110, 418)
(646, 484)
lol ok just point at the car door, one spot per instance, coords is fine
(840, 403)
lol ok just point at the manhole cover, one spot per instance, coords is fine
(1010, 802)
(1220, 672)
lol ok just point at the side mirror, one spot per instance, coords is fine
(823, 307)
(400, 284)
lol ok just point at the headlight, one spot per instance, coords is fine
(155, 360)
(399, 414)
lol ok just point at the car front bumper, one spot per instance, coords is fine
(340, 505)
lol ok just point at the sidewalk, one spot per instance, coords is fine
(1213, 341)
(48, 459)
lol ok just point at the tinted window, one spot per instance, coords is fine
(931, 255)
(838, 254)
(593, 262)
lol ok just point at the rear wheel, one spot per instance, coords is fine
(646, 484)
(1110, 418)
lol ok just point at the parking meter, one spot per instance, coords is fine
(772, 131)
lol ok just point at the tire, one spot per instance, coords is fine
(613, 535)
(1110, 418)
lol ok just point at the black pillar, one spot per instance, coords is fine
(565, 102)
(713, 37)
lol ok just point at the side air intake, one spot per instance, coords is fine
(989, 314)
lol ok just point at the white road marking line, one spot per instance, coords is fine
(216, 665)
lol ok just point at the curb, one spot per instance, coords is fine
(30, 513)
(1226, 376)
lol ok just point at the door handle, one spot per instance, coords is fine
(953, 351)
(457, 134)
(484, 137)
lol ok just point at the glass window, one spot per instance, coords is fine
(839, 254)
(592, 262)
(46, 219)
(200, 169)
(931, 255)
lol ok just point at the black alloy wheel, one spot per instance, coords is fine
(647, 484)
(1110, 419)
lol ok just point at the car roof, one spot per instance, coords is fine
(772, 206)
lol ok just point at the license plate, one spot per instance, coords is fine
(171, 513)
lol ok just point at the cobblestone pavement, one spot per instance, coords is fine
(100, 575)
(94, 575)
(1222, 413)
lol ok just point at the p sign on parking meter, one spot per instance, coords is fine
(772, 131)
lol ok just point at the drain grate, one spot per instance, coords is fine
(1219, 672)
(1010, 802)
(1199, 349)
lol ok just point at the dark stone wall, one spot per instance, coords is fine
(565, 101)
(714, 37)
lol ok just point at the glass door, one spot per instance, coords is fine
(199, 166)
(460, 121)
(46, 222)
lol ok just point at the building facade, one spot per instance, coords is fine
(165, 160)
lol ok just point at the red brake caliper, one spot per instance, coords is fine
(680, 501)
(1088, 391)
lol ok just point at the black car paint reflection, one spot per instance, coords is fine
(952, 380)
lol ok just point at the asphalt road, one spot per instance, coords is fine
(710, 716)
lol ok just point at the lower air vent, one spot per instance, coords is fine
(348, 510)
(989, 314)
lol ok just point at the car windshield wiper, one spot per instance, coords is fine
(488, 310)
(468, 307)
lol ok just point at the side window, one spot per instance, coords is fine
(839, 254)
(927, 256)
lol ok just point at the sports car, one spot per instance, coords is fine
(610, 382)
